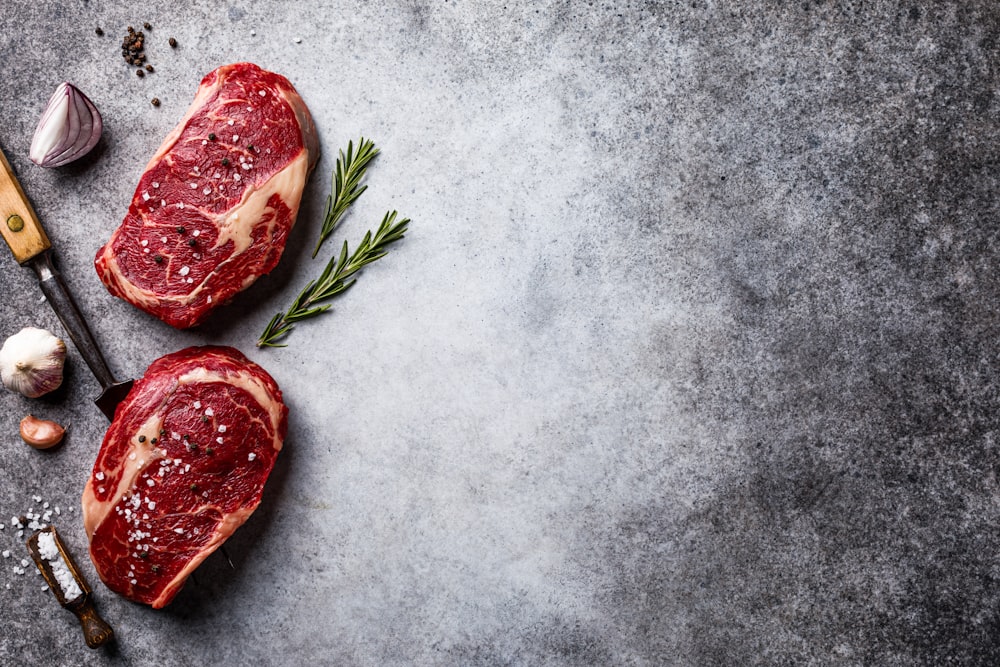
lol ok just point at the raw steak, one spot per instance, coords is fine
(182, 466)
(214, 206)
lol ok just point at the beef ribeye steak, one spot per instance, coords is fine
(214, 206)
(182, 466)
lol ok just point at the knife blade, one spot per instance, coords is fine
(31, 247)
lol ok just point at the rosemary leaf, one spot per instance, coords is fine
(334, 280)
(347, 186)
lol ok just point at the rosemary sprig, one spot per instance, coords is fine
(335, 279)
(347, 177)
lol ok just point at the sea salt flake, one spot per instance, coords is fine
(145, 196)
(222, 428)
(194, 186)
(231, 122)
(206, 191)
(251, 456)
(263, 93)
(155, 184)
(163, 239)
(209, 412)
(184, 271)
(236, 138)
(219, 440)
(150, 482)
(196, 232)
(236, 177)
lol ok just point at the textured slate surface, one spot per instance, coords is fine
(689, 359)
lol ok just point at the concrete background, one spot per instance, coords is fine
(689, 358)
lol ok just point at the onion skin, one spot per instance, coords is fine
(41, 433)
(70, 127)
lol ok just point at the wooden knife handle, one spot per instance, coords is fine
(18, 223)
(96, 631)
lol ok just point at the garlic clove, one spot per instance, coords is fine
(41, 433)
(31, 362)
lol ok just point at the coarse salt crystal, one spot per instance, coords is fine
(2, 526)
(155, 184)
(209, 299)
(197, 405)
(297, 40)
(209, 412)
(24, 562)
(206, 191)
(45, 505)
(163, 202)
(236, 177)
(194, 186)
(100, 476)
(150, 482)
(204, 142)
(181, 204)
(151, 505)
(179, 531)
(251, 456)
(246, 166)
(236, 137)
(163, 239)
(145, 196)
(231, 122)
(196, 232)
(145, 242)
(263, 93)
(222, 429)
(190, 280)
(6, 553)
(184, 271)
(219, 440)
(100, 489)
(175, 435)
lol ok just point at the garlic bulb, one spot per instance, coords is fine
(31, 362)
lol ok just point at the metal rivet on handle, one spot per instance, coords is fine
(15, 223)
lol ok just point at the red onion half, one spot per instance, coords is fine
(70, 127)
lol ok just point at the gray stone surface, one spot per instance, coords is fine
(690, 357)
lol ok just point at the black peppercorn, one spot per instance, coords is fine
(156, 101)
(152, 441)
(139, 73)
(225, 162)
(149, 68)
(100, 33)
(172, 42)
(158, 259)
(142, 438)
(181, 230)
(211, 136)
(192, 242)
(147, 26)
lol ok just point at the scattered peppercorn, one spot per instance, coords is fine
(142, 438)
(192, 242)
(156, 101)
(203, 417)
(100, 33)
(163, 431)
(209, 451)
(147, 26)
(154, 568)
(158, 259)
(194, 488)
(139, 73)
(172, 42)
(143, 554)
(250, 147)
(225, 162)
(149, 68)
(211, 136)
(181, 230)
(152, 441)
